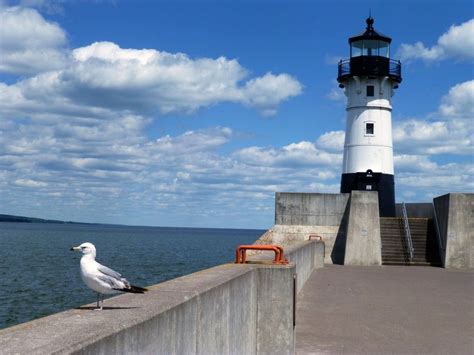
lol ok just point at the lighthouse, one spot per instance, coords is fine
(369, 78)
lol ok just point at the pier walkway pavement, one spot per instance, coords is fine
(386, 310)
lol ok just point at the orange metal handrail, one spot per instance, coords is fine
(241, 252)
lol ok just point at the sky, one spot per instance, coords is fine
(194, 113)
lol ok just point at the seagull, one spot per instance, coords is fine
(100, 278)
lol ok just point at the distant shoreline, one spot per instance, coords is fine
(23, 219)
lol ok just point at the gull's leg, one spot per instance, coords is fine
(99, 307)
(102, 305)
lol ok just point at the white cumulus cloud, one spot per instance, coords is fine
(28, 43)
(292, 155)
(450, 131)
(104, 76)
(333, 141)
(459, 102)
(457, 43)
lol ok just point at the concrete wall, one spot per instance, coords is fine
(229, 309)
(415, 210)
(288, 236)
(363, 241)
(331, 216)
(306, 255)
(310, 209)
(441, 205)
(299, 215)
(455, 212)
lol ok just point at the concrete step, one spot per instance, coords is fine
(401, 263)
(394, 257)
(394, 244)
(421, 251)
(394, 248)
(394, 254)
(407, 263)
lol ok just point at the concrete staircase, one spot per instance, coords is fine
(394, 250)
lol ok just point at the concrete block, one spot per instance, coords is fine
(227, 318)
(303, 259)
(319, 251)
(309, 208)
(455, 212)
(415, 210)
(289, 235)
(275, 309)
(363, 241)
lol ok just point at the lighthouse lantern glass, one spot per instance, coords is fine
(370, 47)
(384, 49)
(356, 48)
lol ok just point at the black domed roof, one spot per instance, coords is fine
(370, 33)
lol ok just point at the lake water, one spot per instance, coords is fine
(39, 275)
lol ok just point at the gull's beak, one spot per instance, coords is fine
(75, 248)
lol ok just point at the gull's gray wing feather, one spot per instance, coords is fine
(108, 271)
(110, 281)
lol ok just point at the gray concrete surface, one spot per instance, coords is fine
(307, 256)
(310, 209)
(415, 210)
(386, 310)
(275, 311)
(299, 215)
(455, 212)
(228, 309)
(363, 242)
(289, 235)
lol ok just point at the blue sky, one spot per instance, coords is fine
(194, 113)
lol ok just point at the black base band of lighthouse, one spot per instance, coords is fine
(384, 184)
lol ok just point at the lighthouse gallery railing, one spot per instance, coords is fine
(367, 65)
(406, 226)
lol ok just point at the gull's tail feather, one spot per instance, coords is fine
(134, 289)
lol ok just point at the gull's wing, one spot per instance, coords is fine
(108, 271)
(114, 283)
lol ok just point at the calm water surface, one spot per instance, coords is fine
(39, 275)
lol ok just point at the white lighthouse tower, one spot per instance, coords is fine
(369, 78)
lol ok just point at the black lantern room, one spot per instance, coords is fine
(370, 56)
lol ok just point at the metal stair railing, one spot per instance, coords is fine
(406, 226)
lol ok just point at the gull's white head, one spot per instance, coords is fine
(85, 248)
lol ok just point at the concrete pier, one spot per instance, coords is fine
(228, 309)
(386, 310)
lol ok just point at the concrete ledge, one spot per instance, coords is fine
(228, 309)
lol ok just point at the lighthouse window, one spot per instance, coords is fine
(384, 49)
(370, 90)
(369, 128)
(356, 48)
